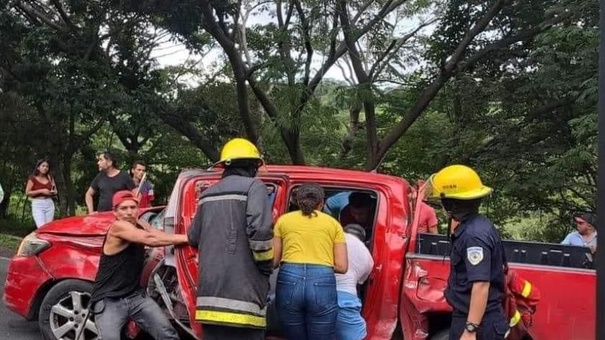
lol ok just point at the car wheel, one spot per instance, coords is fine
(64, 310)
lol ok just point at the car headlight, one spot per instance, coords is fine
(32, 245)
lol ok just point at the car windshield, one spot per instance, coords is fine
(157, 221)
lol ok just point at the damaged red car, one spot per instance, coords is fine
(50, 278)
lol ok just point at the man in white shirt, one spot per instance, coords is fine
(350, 324)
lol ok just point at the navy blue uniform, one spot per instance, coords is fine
(476, 256)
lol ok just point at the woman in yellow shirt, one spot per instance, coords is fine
(309, 246)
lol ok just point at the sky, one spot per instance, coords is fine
(171, 53)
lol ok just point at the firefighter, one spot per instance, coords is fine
(232, 230)
(476, 283)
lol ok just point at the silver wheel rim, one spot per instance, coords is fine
(68, 318)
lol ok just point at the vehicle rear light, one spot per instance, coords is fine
(32, 245)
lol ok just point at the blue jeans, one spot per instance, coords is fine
(112, 314)
(350, 324)
(306, 301)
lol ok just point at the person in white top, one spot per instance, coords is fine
(350, 324)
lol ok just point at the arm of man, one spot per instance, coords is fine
(148, 227)
(128, 232)
(195, 229)
(92, 190)
(259, 220)
(567, 240)
(89, 200)
(431, 219)
(478, 267)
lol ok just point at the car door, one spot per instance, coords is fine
(381, 291)
(186, 257)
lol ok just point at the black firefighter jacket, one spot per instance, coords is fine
(232, 230)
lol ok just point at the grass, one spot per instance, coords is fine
(15, 227)
(9, 242)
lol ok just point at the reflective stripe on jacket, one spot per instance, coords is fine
(521, 301)
(232, 230)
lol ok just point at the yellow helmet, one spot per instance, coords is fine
(239, 148)
(457, 182)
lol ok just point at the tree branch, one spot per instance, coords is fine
(364, 81)
(384, 59)
(445, 74)
(33, 13)
(63, 15)
(237, 64)
(307, 41)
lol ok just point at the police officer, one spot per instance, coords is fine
(476, 282)
(232, 230)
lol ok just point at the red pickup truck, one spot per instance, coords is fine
(402, 299)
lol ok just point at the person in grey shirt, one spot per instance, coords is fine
(350, 325)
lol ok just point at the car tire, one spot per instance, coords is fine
(64, 310)
(443, 334)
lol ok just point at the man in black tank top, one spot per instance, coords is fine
(117, 296)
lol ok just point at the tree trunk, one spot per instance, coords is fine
(70, 193)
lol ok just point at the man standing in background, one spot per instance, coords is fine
(109, 181)
(138, 170)
(428, 219)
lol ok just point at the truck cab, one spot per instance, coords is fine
(173, 282)
(403, 297)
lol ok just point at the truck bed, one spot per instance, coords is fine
(538, 253)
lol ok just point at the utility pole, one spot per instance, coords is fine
(600, 255)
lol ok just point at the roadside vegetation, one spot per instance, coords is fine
(509, 88)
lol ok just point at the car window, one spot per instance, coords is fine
(157, 221)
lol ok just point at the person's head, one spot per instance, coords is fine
(585, 223)
(242, 151)
(125, 206)
(361, 206)
(356, 230)
(310, 197)
(42, 167)
(138, 170)
(460, 190)
(107, 161)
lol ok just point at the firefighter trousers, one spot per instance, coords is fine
(494, 326)
(214, 332)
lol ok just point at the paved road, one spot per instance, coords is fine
(13, 326)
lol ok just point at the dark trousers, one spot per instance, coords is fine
(493, 326)
(112, 314)
(214, 332)
(306, 301)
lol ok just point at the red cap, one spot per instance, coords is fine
(121, 196)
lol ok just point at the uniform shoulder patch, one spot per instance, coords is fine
(474, 255)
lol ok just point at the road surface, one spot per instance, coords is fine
(13, 326)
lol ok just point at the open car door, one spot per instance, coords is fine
(419, 290)
(186, 257)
